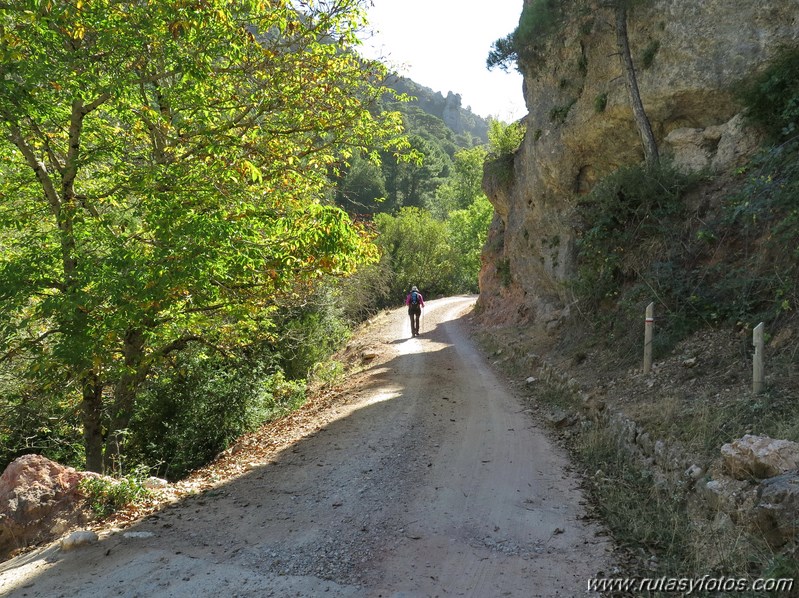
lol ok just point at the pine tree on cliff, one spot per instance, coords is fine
(620, 8)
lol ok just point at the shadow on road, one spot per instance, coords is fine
(427, 477)
(323, 507)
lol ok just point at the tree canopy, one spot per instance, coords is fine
(163, 167)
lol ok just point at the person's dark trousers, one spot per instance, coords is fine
(414, 311)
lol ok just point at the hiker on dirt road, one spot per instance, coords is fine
(415, 303)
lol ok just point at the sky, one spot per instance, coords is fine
(443, 45)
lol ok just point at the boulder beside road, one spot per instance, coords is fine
(759, 457)
(40, 500)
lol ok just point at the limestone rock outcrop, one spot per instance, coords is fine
(759, 457)
(776, 514)
(690, 58)
(758, 486)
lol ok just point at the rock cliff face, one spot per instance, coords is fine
(448, 108)
(690, 58)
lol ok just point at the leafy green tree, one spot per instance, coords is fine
(162, 163)
(441, 256)
(504, 139)
(412, 179)
(410, 182)
(503, 54)
(503, 142)
(465, 209)
(464, 186)
(193, 406)
(367, 291)
(362, 190)
(467, 234)
(415, 246)
(430, 128)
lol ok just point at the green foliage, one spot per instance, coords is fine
(765, 211)
(539, 19)
(32, 421)
(772, 98)
(199, 404)
(415, 245)
(649, 53)
(781, 566)
(165, 238)
(503, 53)
(368, 291)
(413, 178)
(311, 333)
(601, 102)
(439, 249)
(412, 183)
(503, 142)
(464, 185)
(437, 246)
(193, 408)
(504, 139)
(501, 169)
(167, 190)
(362, 190)
(107, 495)
(639, 245)
(629, 216)
(401, 180)
(422, 125)
(327, 373)
(558, 114)
(468, 230)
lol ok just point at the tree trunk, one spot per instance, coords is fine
(641, 120)
(125, 397)
(92, 412)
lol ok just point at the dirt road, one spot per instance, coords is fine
(428, 479)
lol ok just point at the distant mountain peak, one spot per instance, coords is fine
(448, 108)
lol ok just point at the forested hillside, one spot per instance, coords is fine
(429, 212)
(196, 204)
(461, 120)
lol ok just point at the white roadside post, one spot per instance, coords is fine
(757, 362)
(649, 322)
